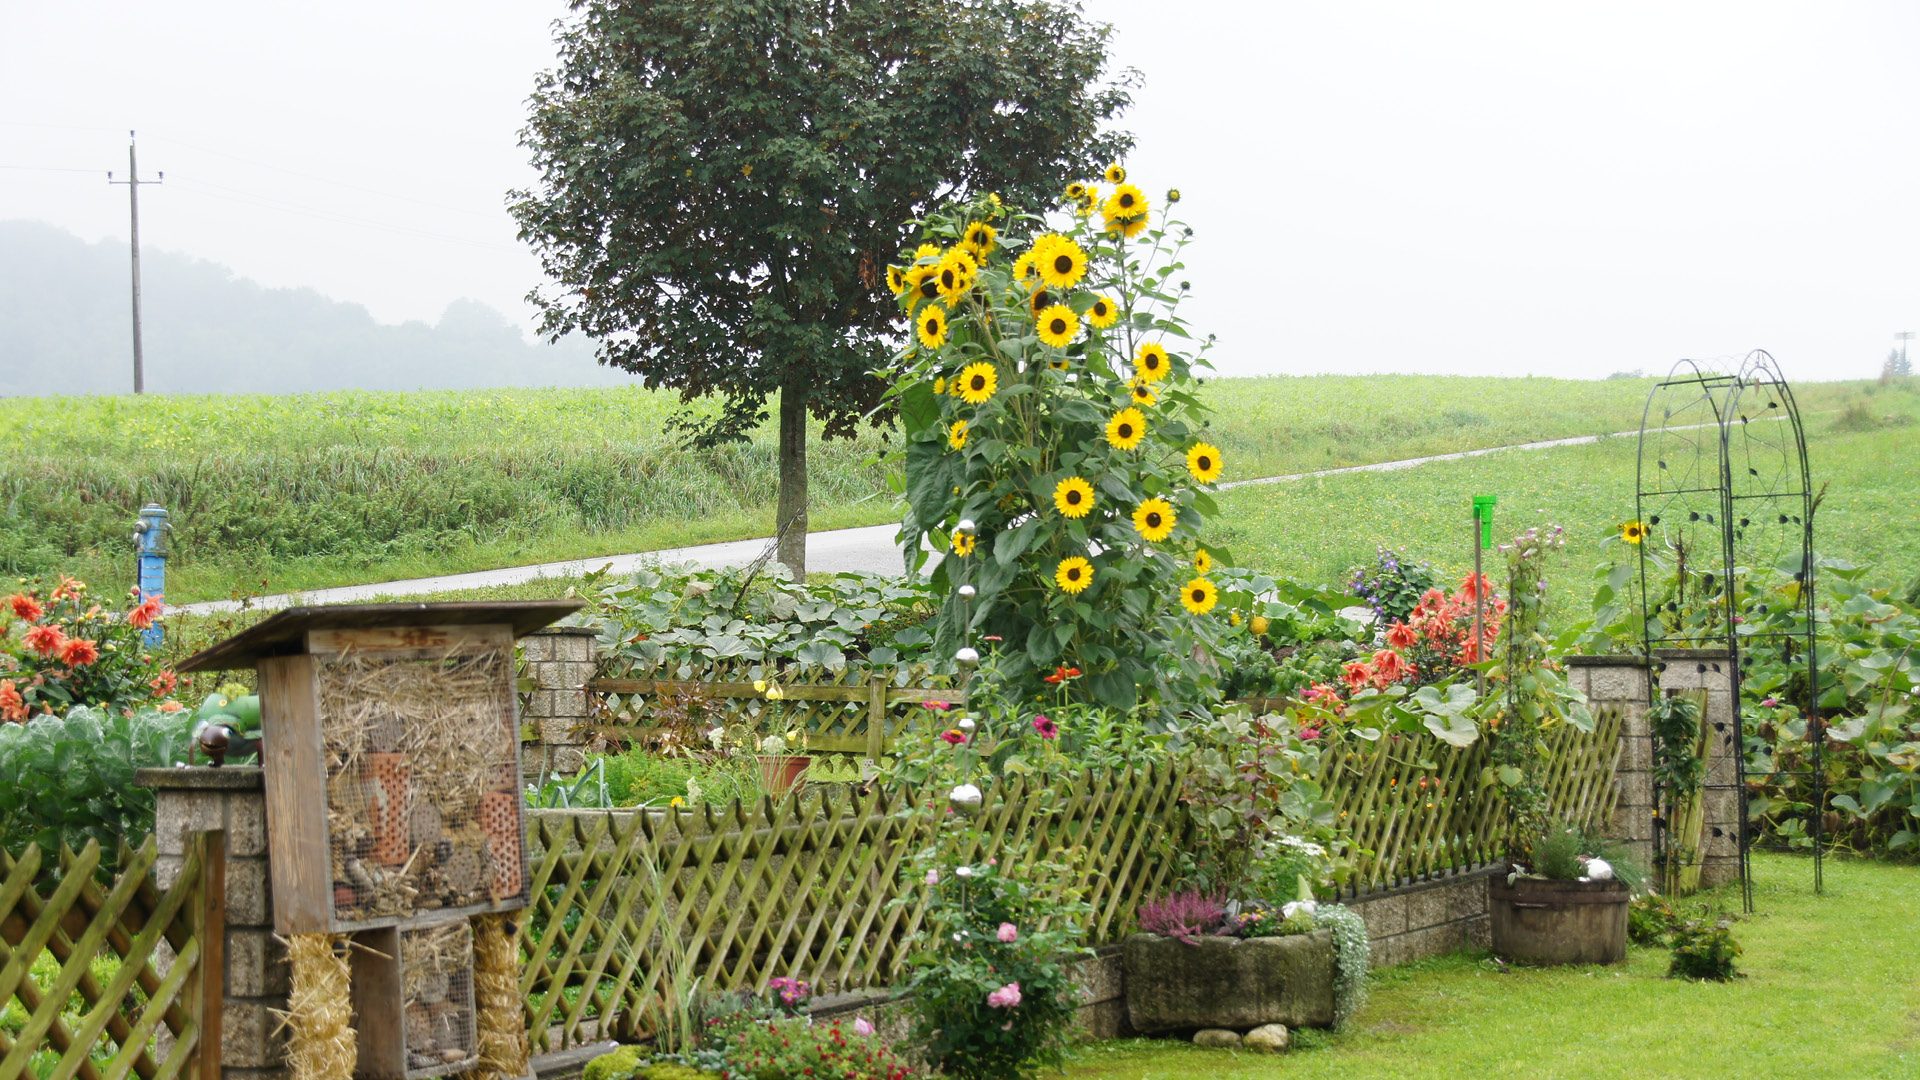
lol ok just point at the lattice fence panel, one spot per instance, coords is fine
(624, 901)
(98, 981)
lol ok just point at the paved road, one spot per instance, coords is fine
(870, 549)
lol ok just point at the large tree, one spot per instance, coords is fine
(723, 182)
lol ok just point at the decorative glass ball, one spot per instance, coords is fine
(967, 657)
(967, 592)
(965, 798)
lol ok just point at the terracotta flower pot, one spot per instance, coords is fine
(782, 774)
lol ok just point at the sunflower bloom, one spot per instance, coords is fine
(1633, 532)
(896, 280)
(1126, 202)
(1058, 326)
(1126, 429)
(963, 543)
(1202, 562)
(923, 284)
(1103, 312)
(1060, 261)
(1203, 461)
(978, 381)
(1151, 363)
(1073, 497)
(1073, 575)
(979, 239)
(1040, 301)
(1075, 192)
(1116, 174)
(932, 326)
(1199, 596)
(957, 434)
(1024, 271)
(1128, 227)
(926, 252)
(1154, 520)
(1142, 393)
(956, 274)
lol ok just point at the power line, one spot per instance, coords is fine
(325, 179)
(45, 168)
(223, 193)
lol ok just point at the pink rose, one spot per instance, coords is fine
(1007, 997)
(1009, 933)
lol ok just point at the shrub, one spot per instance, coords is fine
(992, 997)
(1183, 915)
(58, 649)
(1249, 783)
(1392, 586)
(1651, 919)
(1047, 399)
(1565, 852)
(790, 1049)
(1704, 949)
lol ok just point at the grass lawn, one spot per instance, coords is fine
(275, 494)
(1831, 989)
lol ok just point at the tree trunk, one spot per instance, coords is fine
(790, 520)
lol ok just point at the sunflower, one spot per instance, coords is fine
(932, 324)
(1151, 362)
(1061, 262)
(896, 280)
(1058, 326)
(1126, 429)
(1126, 201)
(939, 385)
(1074, 497)
(1203, 461)
(1128, 227)
(1040, 301)
(1075, 192)
(1073, 575)
(1154, 520)
(956, 274)
(1199, 596)
(1202, 562)
(1023, 270)
(1059, 363)
(1116, 174)
(1142, 393)
(963, 543)
(1173, 195)
(1103, 312)
(979, 239)
(1633, 532)
(923, 284)
(978, 381)
(957, 434)
(925, 252)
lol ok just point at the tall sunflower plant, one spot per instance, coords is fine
(1056, 454)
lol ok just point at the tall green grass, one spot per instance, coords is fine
(297, 492)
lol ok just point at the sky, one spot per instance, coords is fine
(1569, 189)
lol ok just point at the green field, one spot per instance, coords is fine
(275, 494)
(1827, 991)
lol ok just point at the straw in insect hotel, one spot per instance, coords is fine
(319, 1015)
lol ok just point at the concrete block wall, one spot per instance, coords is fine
(1682, 670)
(231, 803)
(1429, 918)
(560, 660)
(1622, 682)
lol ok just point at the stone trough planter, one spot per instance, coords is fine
(1232, 983)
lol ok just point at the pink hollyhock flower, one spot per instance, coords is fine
(1009, 933)
(1007, 997)
(862, 1026)
(1045, 727)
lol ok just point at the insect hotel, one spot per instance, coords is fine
(391, 753)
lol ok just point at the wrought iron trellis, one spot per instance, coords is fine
(1723, 454)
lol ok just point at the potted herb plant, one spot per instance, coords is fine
(782, 769)
(1569, 904)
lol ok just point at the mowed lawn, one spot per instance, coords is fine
(1831, 988)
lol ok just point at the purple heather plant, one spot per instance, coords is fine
(1183, 915)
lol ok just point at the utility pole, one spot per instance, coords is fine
(133, 183)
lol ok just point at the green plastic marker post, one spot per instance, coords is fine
(1483, 513)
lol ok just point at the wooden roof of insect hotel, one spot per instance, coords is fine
(286, 633)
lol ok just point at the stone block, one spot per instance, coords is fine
(570, 703)
(1450, 902)
(1216, 1039)
(1617, 682)
(247, 1038)
(247, 824)
(1720, 769)
(1384, 952)
(1717, 870)
(1229, 982)
(178, 814)
(575, 648)
(574, 676)
(1384, 917)
(559, 731)
(1101, 1020)
(1477, 933)
(539, 705)
(1433, 941)
(568, 760)
(537, 646)
(166, 870)
(256, 964)
(1099, 978)
(1636, 755)
(1578, 679)
(249, 894)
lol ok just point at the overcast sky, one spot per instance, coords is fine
(1562, 189)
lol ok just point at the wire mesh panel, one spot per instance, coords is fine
(436, 993)
(422, 783)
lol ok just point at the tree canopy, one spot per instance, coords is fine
(722, 182)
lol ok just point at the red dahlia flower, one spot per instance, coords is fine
(79, 652)
(26, 607)
(45, 640)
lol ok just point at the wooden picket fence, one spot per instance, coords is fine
(110, 976)
(627, 905)
(1415, 808)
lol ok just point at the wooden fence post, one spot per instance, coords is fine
(876, 718)
(210, 927)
